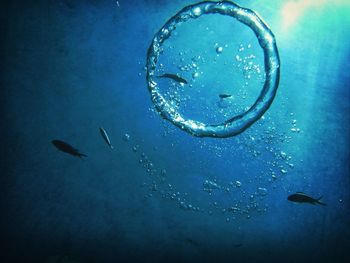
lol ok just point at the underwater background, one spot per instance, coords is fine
(162, 195)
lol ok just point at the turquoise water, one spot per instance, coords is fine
(162, 194)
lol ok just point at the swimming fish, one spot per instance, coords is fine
(173, 77)
(300, 197)
(224, 96)
(65, 147)
(105, 137)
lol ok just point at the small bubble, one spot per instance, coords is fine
(197, 11)
(126, 137)
(135, 148)
(297, 130)
(195, 75)
(283, 155)
(196, 58)
(163, 172)
(262, 191)
(219, 50)
(154, 188)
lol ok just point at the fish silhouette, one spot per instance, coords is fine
(173, 77)
(105, 137)
(300, 197)
(65, 147)
(224, 96)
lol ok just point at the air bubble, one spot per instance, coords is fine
(219, 50)
(297, 130)
(126, 137)
(135, 148)
(238, 184)
(195, 75)
(163, 172)
(262, 191)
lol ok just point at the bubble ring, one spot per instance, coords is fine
(238, 123)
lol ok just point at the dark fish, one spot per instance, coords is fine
(173, 77)
(300, 197)
(105, 137)
(224, 96)
(65, 147)
(238, 245)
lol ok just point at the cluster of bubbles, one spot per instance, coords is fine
(157, 184)
(294, 127)
(247, 64)
(263, 145)
(246, 204)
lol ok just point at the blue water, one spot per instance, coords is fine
(163, 195)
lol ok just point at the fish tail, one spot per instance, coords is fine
(111, 146)
(319, 202)
(82, 155)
